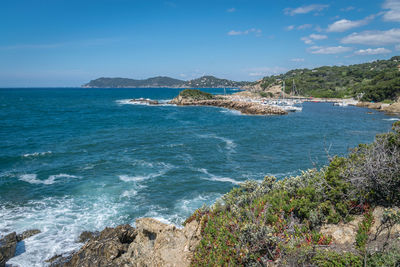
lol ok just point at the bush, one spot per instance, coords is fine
(195, 94)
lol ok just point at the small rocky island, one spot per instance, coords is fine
(194, 97)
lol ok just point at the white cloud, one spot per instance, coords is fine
(230, 10)
(307, 40)
(397, 47)
(391, 36)
(349, 8)
(310, 39)
(257, 32)
(370, 51)
(304, 26)
(328, 50)
(318, 36)
(290, 27)
(297, 59)
(393, 14)
(304, 9)
(344, 24)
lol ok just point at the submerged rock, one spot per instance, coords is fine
(8, 245)
(151, 243)
(27, 234)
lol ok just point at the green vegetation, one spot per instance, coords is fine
(203, 82)
(195, 94)
(375, 81)
(258, 223)
(213, 82)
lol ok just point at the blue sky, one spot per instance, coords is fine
(69, 42)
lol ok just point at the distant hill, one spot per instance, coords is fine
(124, 82)
(374, 81)
(203, 82)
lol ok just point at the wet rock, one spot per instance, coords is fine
(8, 245)
(145, 101)
(102, 250)
(27, 234)
(87, 235)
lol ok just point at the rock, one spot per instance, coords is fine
(369, 105)
(103, 250)
(27, 234)
(145, 101)
(249, 108)
(344, 234)
(8, 244)
(159, 244)
(152, 243)
(86, 235)
(393, 108)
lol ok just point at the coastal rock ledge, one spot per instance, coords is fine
(191, 97)
(151, 243)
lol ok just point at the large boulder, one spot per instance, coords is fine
(152, 243)
(8, 245)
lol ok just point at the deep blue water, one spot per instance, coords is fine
(82, 159)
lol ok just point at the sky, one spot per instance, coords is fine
(63, 43)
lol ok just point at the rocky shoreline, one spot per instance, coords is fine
(151, 243)
(247, 108)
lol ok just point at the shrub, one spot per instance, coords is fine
(195, 94)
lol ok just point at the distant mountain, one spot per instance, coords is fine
(124, 82)
(202, 82)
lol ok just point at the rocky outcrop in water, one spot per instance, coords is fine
(8, 244)
(249, 108)
(151, 243)
(144, 101)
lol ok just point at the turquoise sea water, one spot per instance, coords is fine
(83, 159)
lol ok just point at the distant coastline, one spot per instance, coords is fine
(164, 82)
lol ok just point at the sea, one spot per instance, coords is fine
(82, 159)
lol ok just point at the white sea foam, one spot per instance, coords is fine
(163, 102)
(125, 102)
(161, 169)
(212, 177)
(129, 193)
(392, 119)
(229, 143)
(35, 154)
(231, 112)
(61, 220)
(32, 178)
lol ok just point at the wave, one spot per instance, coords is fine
(32, 178)
(61, 220)
(35, 154)
(139, 178)
(212, 177)
(229, 143)
(129, 193)
(161, 102)
(231, 112)
(392, 119)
